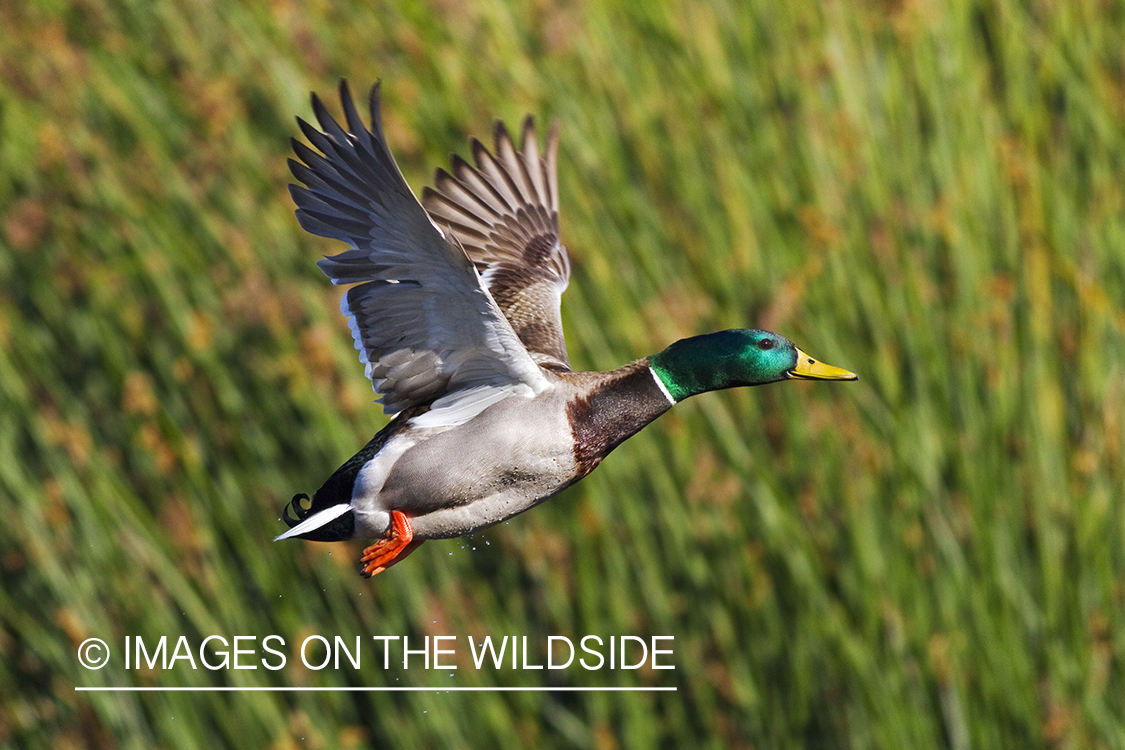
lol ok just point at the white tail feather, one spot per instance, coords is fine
(315, 521)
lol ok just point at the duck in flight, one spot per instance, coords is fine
(454, 307)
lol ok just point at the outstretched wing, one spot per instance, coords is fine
(425, 326)
(505, 213)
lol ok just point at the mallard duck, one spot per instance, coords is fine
(455, 313)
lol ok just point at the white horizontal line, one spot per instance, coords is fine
(452, 689)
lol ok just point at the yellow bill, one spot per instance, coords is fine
(808, 368)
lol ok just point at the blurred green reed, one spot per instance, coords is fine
(927, 193)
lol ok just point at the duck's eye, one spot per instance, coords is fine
(765, 344)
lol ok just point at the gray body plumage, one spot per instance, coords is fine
(453, 480)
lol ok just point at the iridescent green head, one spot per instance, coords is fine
(738, 357)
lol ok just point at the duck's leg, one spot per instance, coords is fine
(398, 543)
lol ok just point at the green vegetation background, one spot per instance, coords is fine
(929, 193)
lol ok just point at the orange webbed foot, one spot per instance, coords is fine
(393, 548)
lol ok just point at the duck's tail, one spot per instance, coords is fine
(335, 523)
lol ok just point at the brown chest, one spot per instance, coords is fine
(616, 409)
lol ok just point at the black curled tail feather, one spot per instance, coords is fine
(301, 512)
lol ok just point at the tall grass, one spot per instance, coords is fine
(927, 193)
